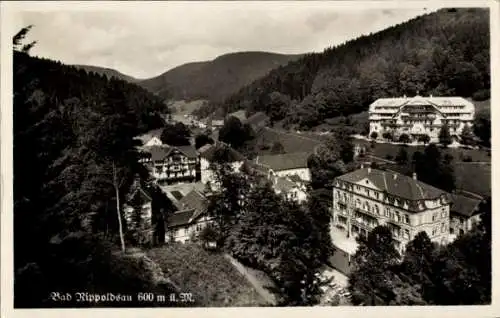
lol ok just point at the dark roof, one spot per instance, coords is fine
(463, 205)
(227, 153)
(399, 186)
(257, 119)
(180, 218)
(159, 153)
(194, 200)
(189, 151)
(176, 194)
(284, 161)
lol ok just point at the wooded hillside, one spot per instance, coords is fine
(215, 80)
(442, 53)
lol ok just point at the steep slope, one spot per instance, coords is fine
(108, 72)
(215, 80)
(442, 53)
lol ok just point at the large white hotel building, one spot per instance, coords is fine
(418, 115)
(366, 198)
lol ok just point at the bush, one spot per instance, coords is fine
(404, 138)
(467, 159)
(481, 95)
(374, 135)
(388, 136)
(424, 138)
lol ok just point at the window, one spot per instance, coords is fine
(407, 234)
(376, 209)
(407, 219)
(434, 217)
(442, 228)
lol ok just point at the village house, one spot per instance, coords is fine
(240, 114)
(293, 191)
(417, 116)
(190, 218)
(169, 164)
(288, 164)
(464, 214)
(219, 152)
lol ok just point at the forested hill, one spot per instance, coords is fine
(108, 72)
(442, 53)
(73, 133)
(217, 79)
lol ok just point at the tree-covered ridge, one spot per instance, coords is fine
(442, 53)
(73, 152)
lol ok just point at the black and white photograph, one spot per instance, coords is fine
(247, 154)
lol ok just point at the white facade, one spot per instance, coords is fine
(417, 116)
(154, 141)
(185, 233)
(361, 206)
(303, 173)
(207, 175)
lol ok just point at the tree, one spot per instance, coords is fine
(418, 261)
(201, 140)
(277, 148)
(19, 37)
(116, 185)
(482, 128)
(373, 268)
(467, 136)
(374, 135)
(234, 133)
(176, 135)
(404, 138)
(444, 135)
(402, 156)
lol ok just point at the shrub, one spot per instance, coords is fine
(388, 136)
(374, 135)
(424, 138)
(481, 95)
(404, 138)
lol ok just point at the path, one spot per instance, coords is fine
(257, 283)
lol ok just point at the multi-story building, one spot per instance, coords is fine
(366, 198)
(287, 164)
(417, 116)
(169, 165)
(464, 213)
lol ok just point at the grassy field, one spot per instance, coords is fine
(181, 107)
(291, 141)
(473, 177)
(210, 277)
(382, 150)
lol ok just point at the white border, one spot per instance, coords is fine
(6, 171)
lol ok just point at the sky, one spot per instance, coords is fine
(147, 40)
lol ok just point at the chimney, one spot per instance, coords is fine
(414, 176)
(395, 176)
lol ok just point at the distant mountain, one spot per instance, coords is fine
(217, 79)
(108, 72)
(443, 53)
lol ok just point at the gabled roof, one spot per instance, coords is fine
(205, 148)
(227, 153)
(195, 201)
(284, 185)
(464, 206)
(180, 218)
(159, 153)
(440, 101)
(240, 114)
(150, 134)
(286, 161)
(257, 119)
(395, 184)
(139, 196)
